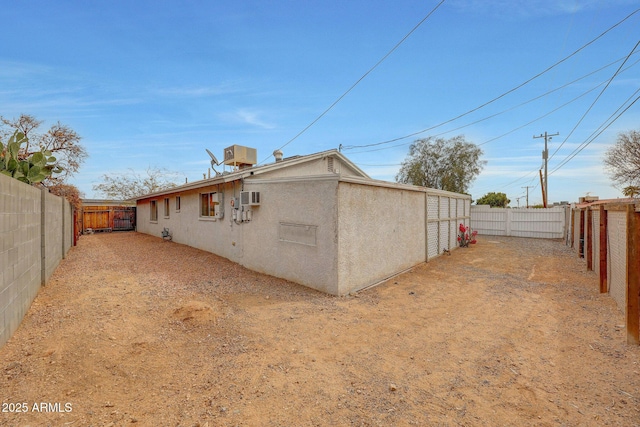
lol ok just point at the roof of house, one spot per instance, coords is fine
(607, 202)
(257, 170)
(107, 202)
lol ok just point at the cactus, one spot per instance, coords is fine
(32, 169)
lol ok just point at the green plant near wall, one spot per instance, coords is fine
(32, 169)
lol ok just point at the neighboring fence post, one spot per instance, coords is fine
(581, 239)
(633, 275)
(426, 226)
(589, 239)
(63, 227)
(604, 286)
(572, 221)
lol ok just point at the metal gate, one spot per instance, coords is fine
(124, 219)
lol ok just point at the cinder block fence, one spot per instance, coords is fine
(36, 232)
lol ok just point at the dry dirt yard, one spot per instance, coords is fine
(132, 330)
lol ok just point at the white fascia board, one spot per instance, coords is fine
(400, 186)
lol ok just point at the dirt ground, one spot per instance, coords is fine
(132, 330)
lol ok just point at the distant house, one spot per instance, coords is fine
(317, 220)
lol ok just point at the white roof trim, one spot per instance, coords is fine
(400, 186)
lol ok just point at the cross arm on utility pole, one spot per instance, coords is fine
(528, 187)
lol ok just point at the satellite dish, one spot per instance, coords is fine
(214, 161)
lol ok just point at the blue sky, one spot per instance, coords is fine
(155, 83)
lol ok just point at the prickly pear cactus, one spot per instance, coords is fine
(33, 169)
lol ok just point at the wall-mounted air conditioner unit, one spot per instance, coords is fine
(250, 198)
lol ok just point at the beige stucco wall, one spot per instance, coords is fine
(381, 232)
(322, 166)
(286, 203)
(293, 233)
(332, 232)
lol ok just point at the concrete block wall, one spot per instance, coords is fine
(22, 225)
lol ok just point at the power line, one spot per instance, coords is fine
(361, 78)
(596, 100)
(502, 95)
(509, 109)
(597, 133)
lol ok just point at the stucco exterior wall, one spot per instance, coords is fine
(381, 232)
(326, 165)
(292, 233)
(321, 223)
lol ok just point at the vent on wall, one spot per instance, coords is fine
(333, 165)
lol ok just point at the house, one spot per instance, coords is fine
(317, 219)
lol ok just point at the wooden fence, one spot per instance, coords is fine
(607, 235)
(107, 215)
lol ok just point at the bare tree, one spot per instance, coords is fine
(132, 184)
(444, 164)
(69, 192)
(622, 160)
(62, 141)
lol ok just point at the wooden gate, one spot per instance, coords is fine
(108, 218)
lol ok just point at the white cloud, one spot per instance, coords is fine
(200, 91)
(248, 117)
(530, 8)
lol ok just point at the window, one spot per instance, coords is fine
(177, 203)
(166, 207)
(154, 210)
(208, 205)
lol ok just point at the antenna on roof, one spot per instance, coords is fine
(214, 161)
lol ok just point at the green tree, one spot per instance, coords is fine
(495, 200)
(28, 167)
(622, 160)
(631, 191)
(60, 140)
(444, 164)
(132, 184)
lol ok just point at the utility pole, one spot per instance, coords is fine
(545, 157)
(528, 187)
